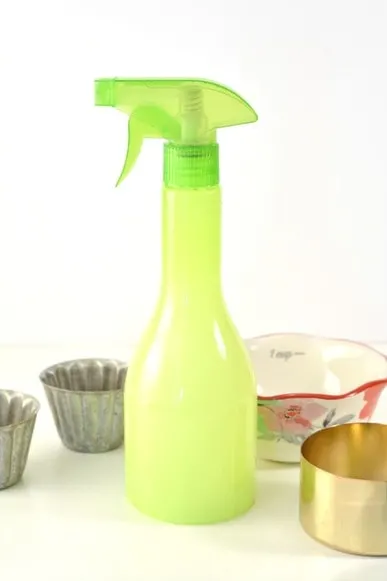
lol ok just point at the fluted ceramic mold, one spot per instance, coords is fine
(18, 413)
(86, 401)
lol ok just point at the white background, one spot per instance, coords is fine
(304, 189)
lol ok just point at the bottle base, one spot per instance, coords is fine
(178, 518)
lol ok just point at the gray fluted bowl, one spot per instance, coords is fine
(86, 401)
(18, 413)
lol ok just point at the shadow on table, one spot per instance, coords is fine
(269, 465)
(67, 484)
(271, 527)
(371, 568)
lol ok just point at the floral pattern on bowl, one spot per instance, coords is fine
(287, 416)
(294, 422)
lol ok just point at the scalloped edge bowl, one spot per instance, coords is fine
(306, 383)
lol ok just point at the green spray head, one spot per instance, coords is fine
(185, 112)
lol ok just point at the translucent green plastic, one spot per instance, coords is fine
(191, 166)
(184, 111)
(190, 400)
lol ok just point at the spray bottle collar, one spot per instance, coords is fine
(191, 166)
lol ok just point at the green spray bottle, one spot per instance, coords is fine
(190, 399)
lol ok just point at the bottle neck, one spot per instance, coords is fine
(191, 230)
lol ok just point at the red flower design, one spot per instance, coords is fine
(303, 422)
(371, 398)
(292, 418)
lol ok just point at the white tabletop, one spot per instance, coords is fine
(69, 520)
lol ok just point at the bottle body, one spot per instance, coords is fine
(190, 401)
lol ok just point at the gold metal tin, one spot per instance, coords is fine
(343, 491)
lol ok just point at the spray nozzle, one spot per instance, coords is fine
(186, 112)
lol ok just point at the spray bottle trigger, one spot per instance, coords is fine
(147, 122)
(136, 136)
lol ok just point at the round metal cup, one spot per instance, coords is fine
(18, 413)
(86, 401)
(343, 491)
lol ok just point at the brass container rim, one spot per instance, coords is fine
(308, 449)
